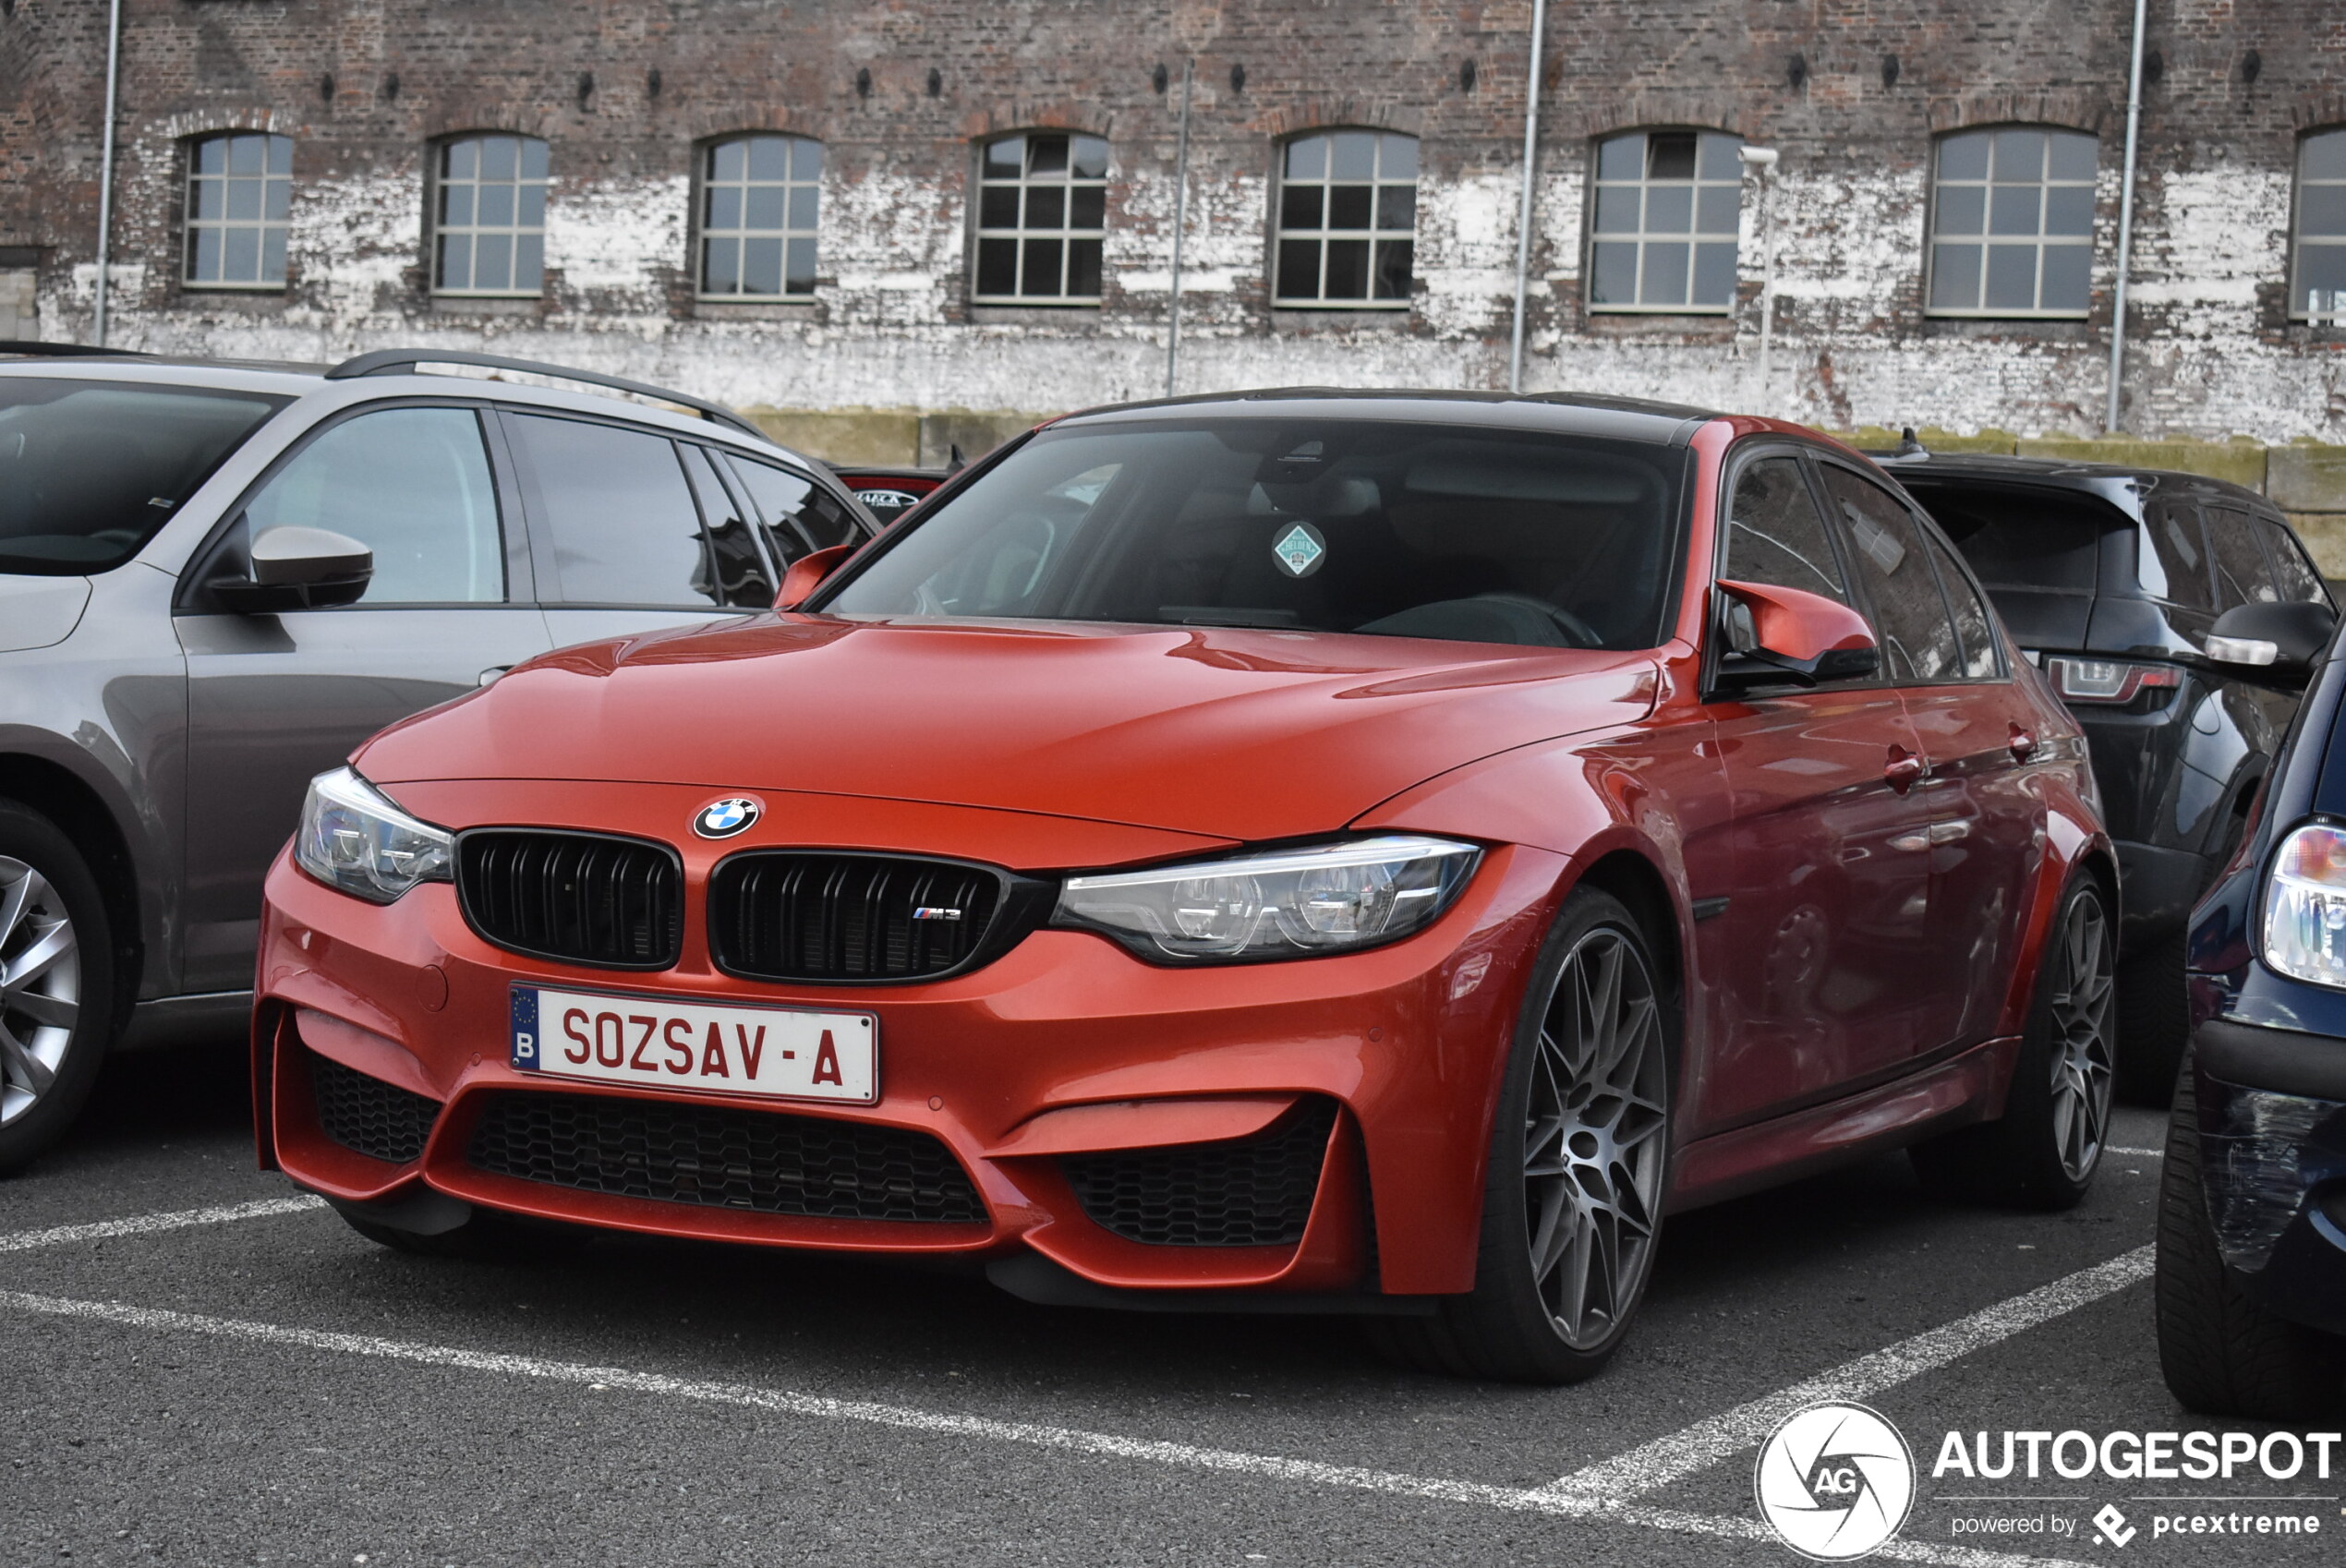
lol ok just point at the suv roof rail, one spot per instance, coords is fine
(386, 359)
(27, 349)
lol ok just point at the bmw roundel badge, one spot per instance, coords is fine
(722, 819)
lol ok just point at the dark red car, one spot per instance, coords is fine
(1357, 852)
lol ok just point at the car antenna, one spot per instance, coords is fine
(955, 462)
(1909, 445)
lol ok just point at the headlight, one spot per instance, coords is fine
(2305, 907)
(1284, 904)
(354, 839)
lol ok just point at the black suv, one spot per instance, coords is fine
(2112, 578)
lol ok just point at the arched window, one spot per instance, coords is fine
(239, 189)
(489, 216)
(2011, 223)
(2318, 270)
(1041, 213)
(759, 197)
(1663, 239)
(1348, 219)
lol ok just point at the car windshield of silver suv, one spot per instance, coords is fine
(88, 470)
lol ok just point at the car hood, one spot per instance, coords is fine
(1234, 734)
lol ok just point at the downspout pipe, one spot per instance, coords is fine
(1523, 218)
(105, 165)
(1180, 227)
(2125, 226)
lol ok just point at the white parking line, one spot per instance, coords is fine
(139, 1224)
(1064, 1438)
(1652, 1465)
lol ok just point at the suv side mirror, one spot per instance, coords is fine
(806, 574)
(297, 569)
(2273, 645)
(1789, 636)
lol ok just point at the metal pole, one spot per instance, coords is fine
(2125, 227)
(1523, 219)
(105, 165)
(1181, 224)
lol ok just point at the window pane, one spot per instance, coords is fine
(1961, 209)
(2020, 155)
(720, 266)
(2242, 574)
(455, 261)
(211, 155)
(1348, 206)
(1352, 156)
(1664, 274)
(1669, 209)
(799, 272)
(1399, 158)
(1918, 635)
(1716, 211)
(726, 161)
(273, 256)
(1613, 275)
(790, 500)
(1618, 208)
(2177, 569)
(2072, 156)
(1007, 157)
(1347, 269)
(460, 160)
(805, 159)
(498, 157)
(245, 155)
(209, 198)
(1301, 206)
(1775, 536)
(2012, 278)
(1089, 158)
(1307, 158)
(2321, 210)
(1955, 277)
(1718, 157)
(279, 200)
(529, 262)
(2011, 209)
(1393, 259)
(2323, 157)
(1973, 624)
(1299, 269)
(203, 263)
(2321, 279)
(998, 207)
(1670, 156)
(1041, 275)
(2068, 277)
(2069, 210)
(413, 486)
(769, 158)
(724, 207)
(494, 206)
(624, 526)
(1083, 268)
(240, 263)
(1621, 157)
(741, 581)
(2292, 573)
(1045, 206)
(763, 207)
(244, 199)
(533, 159)
(762, 266)
(1046, 155)
(492, 260)
(802, 204)
(1714, 274)
(1964, 157)
(997, 266)
(1086, 207)
(1396, 207)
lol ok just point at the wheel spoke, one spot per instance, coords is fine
(21, 1067)
(17, 895)
(55, 1011)
(53, 943)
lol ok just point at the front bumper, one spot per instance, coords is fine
(2272, 1128)
(1063, 1047)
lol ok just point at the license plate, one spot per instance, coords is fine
(654, 1042)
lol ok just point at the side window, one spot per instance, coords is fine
(800, 514)
(1775, 535)
(621, 519)
(732, 542)
(2243, 576)
(412, 485)
(2176, 567)
(1973, 624)
(2295, 577)
(1918, 635)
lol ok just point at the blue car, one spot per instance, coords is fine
(2252, 1230)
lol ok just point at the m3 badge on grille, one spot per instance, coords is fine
(930, 912)
(722, 819)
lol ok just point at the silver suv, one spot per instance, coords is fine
(216, 579)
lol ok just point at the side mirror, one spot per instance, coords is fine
(297, 569)
(1789, 636)
(2272, 645)
(806, 574)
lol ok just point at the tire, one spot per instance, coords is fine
(2043, 1151)
(486, 1238)
(2153, 1021)
(57, 1002)
(1577, 1170)
(2222, 1352)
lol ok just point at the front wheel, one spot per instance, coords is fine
(1580, 1155)
(2043, 1151)
(56, 984)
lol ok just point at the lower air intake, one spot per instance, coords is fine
(765, 1162)
(368, 1117)
(1247, 1192)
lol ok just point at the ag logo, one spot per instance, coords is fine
(1834, 1481)
(722, 819)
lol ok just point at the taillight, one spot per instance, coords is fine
(2304, 927)
(2107, 680)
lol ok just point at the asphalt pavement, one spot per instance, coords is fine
(197, 1371)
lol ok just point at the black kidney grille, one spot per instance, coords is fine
(368, 1117)
(582, 897)
(767, 1162)
(846, 918)
(1249, 1192)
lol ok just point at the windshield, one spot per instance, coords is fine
(88, 470)
(1390, 529)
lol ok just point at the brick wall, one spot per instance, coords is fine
(898, 92)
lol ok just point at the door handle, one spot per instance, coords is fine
(1904, 769)
(2024, 744)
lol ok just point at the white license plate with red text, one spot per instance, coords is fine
(658, 1043)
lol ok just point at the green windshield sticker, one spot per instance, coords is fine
(1300, 550)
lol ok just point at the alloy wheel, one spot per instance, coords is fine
(40, 986)
(1594, 1140)
(2082, 1057)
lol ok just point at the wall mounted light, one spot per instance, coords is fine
(1796, 71)
(391, 88)
(2154, 65)
(326, 88)
(1890, 71)
(935, 82)
(1237, 78)
(651, 83)
(585, 90)
(2252, 66)
(1159, 78)
(1466, 77)
(863, 82)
